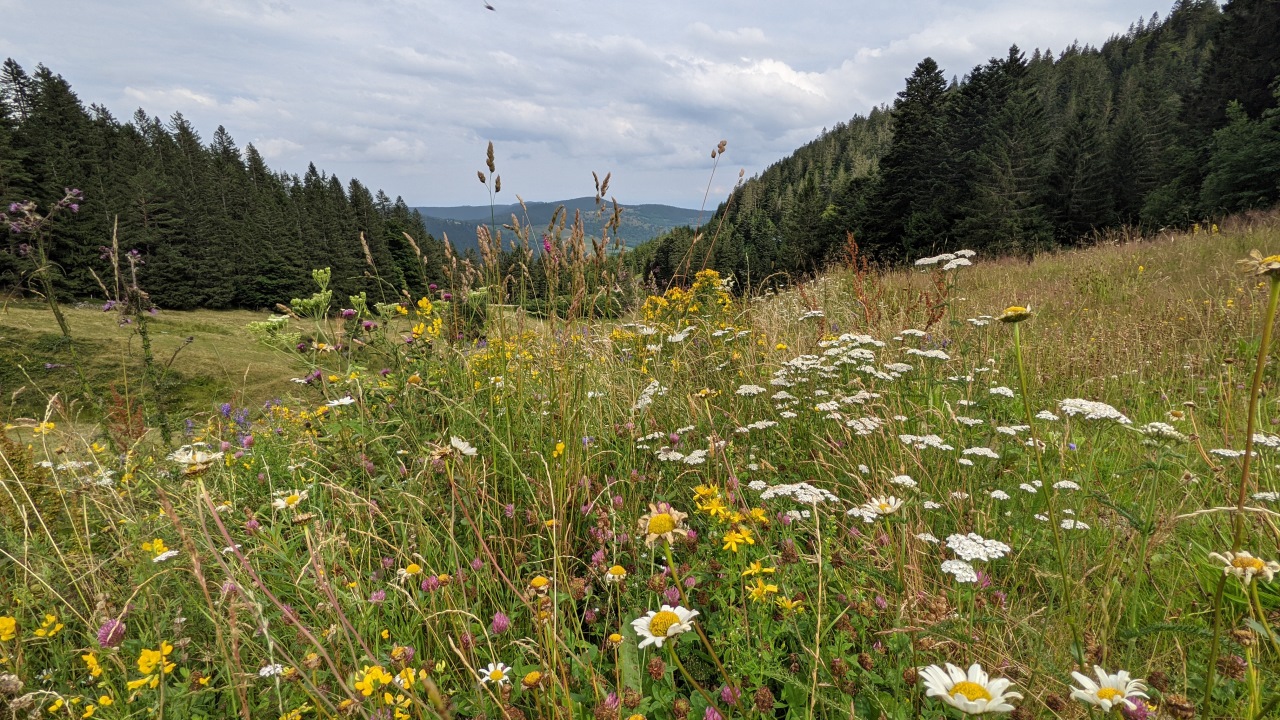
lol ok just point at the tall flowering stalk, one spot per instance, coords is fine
(1014, 316)
(1255, 265)
(25, 219)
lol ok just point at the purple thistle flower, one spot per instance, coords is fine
(111, 634)
(377, 596)
(431, 583)
(672, 595)
(712, 714)
(729, 695)
(500, 623)
(611, 702)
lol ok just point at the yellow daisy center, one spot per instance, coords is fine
(884, 507)
(539, 582)
(496, 674)
(292, 500)
(532, 678)
(617, 571)
(1247, 563)
(661, 523)
(1014, 310)
(971, 691)
(1109, 694)
(659, 624)
(615, 638)
(1270, 259)
(413, 569)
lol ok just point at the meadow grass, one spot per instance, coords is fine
(840, 479)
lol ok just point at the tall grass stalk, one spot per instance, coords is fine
(1238, 516)
(1046, 488)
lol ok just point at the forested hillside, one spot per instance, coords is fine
(213, 225)
(1172, 123)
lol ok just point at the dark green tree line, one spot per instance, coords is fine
(215, 226)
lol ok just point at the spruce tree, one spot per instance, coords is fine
(913, 200)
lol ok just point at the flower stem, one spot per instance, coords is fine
(1047, 488)
(689, 678)
(675, 576)
(1238, 521)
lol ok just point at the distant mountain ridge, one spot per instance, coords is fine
(640, 223)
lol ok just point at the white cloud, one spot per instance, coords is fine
(272, 148)
(404, 94)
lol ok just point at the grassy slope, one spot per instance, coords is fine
(221, 364)
(1143, 326)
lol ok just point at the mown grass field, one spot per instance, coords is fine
(847, 482)
(221, 363)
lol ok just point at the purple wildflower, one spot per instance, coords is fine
(111, 634)
(500, 623)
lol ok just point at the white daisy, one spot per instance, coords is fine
(166, 555)
(289, 501)
(883, 505)
(496, 673)
(1245, 566)
(973, 693)
(656, 626)
(462, 446)
(1110, 690)
(348, 400)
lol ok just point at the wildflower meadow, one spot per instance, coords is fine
(974, 486)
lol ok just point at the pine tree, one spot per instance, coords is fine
(913, 201)
(1079, 199)
(1244, 165)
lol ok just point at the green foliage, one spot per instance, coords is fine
(1244, 164)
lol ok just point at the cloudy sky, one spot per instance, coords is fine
(405, 94)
